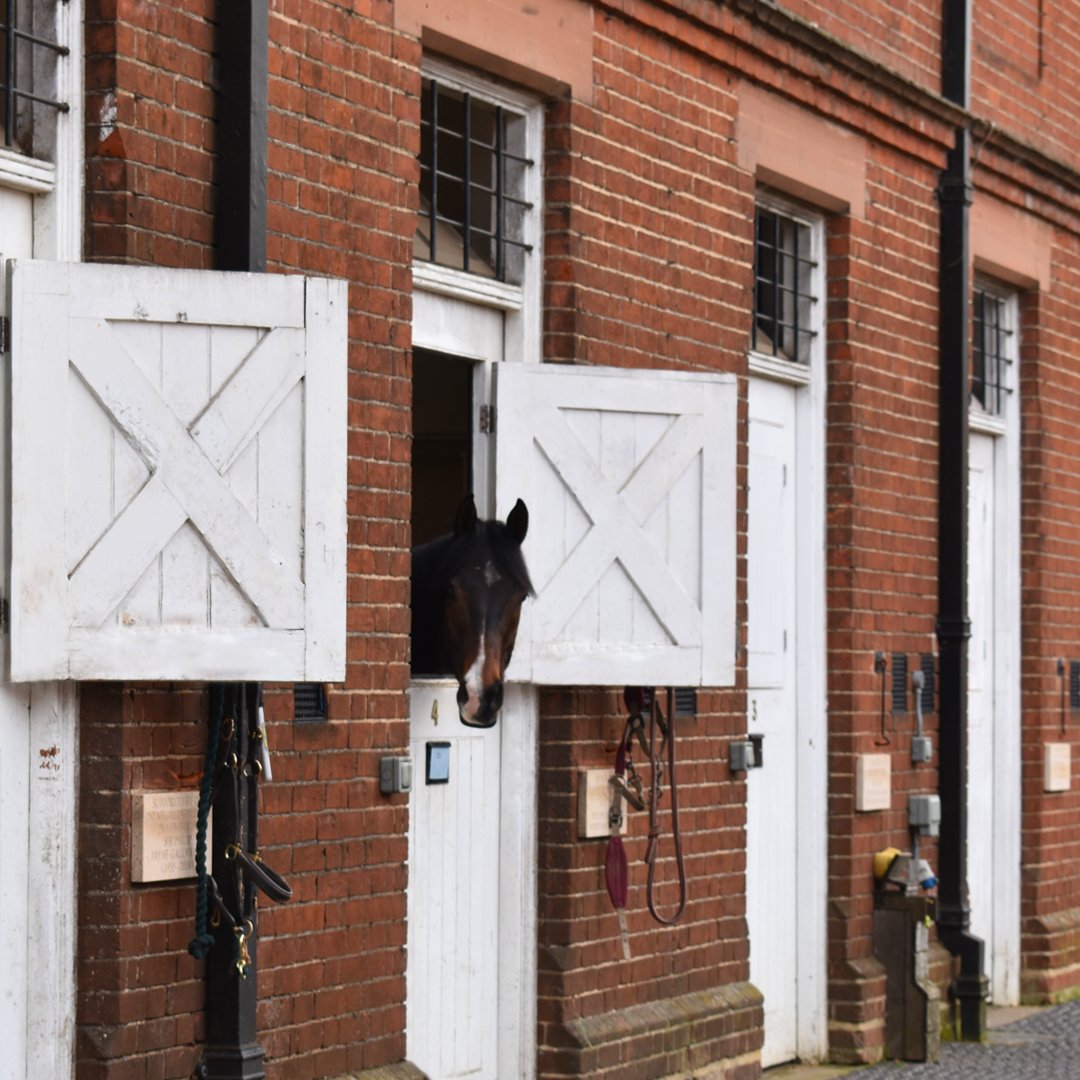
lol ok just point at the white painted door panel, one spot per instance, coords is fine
(452, 978)
(994, 787)
(773, 790)
(196, 524)
(38, 753)
(14, 875)
(630, 482)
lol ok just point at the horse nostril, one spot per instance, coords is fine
(462, 694)
(493, 696)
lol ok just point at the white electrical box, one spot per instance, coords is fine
(924, 814)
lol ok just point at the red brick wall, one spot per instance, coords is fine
(648, 262)
(881, 549)
(150, 134)
(343, 134)
(1050, 396)
(596, 1010)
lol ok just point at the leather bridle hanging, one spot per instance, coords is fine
(626, 785)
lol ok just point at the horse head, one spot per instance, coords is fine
(467, 592)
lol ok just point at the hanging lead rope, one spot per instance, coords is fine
(616, 868)
(203, 940)
(668, 730)
(626, 786)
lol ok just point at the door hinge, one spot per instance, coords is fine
(5, 615)
(5, 333)
(487, 419)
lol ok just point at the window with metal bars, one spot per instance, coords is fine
(991, 351)
(29, 54)
(473, 168)
(784, 293)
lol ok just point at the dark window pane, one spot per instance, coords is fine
(472, 185)
(784, 299)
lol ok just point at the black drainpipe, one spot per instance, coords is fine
(232, 1049)
(240, 220)
(969, 987)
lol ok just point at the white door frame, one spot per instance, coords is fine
(810, 874)
(52, 708)
(1003, 942)
(457, 327)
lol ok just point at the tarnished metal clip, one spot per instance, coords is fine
(631, 792)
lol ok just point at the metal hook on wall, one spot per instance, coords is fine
(880, 666)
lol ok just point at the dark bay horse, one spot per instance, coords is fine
(467, 592)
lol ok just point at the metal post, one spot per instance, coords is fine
(243, 60)
(232, 1048)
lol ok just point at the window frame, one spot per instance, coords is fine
(979, 417)
(775, 365)
(58, 212)
(464, 285)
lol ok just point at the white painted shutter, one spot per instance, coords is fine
(178, 466)
(629, 477)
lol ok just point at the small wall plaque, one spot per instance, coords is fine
(1057, 766)
(873, 782)
(163, 835)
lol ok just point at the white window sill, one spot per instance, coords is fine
(456, 283)
(779, 370)
(26, 174)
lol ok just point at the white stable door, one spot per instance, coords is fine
(993, 720)
(453, 909)
(37, 823)
(471, 936)
(772, 892)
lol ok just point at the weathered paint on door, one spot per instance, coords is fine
(772, 808)
(195, 524)
(630, 480)
(38, 742)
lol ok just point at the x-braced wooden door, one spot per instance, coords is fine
(178, 474)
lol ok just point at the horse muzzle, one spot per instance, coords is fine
(487, 710)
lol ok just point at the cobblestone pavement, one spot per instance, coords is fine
(1045, 1046)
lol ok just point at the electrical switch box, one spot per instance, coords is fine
(742, 756)
(924, 814)
(395, 775)
(922, 749)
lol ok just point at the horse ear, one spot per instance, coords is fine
(465, 519)
(518, 522)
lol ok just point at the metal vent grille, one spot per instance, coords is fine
(899, 683)
(685, 701)
(926, 663)
(309, 702)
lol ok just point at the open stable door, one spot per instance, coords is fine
(629, 476)
(178, 474)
